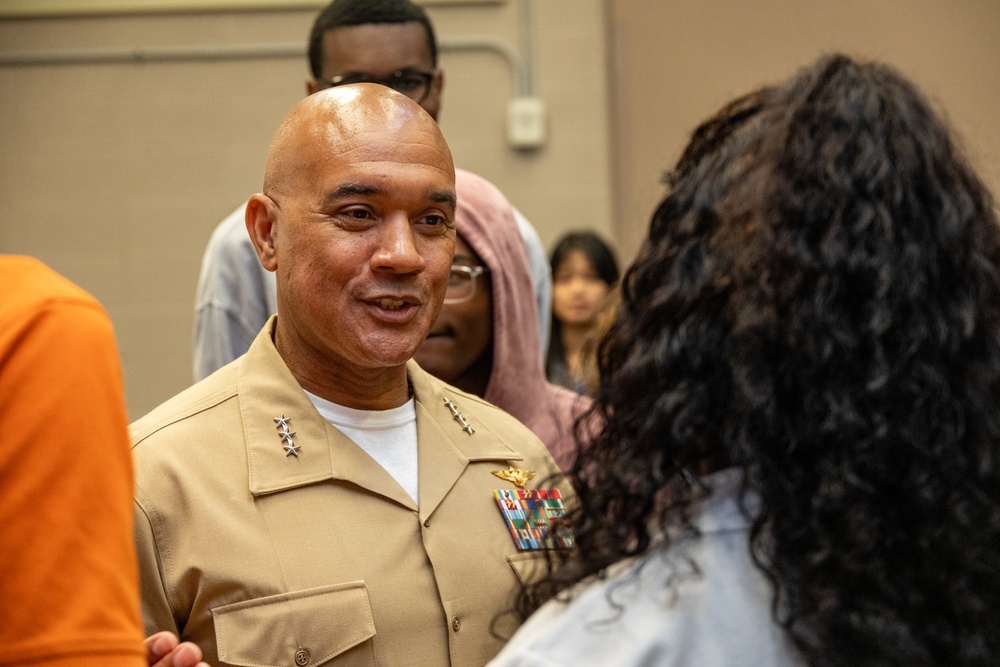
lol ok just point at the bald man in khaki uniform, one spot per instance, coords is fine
(266, 534)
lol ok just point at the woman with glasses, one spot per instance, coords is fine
(485, 340)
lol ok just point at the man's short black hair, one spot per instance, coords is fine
(342, 13)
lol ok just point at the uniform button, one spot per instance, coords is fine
(302, 657)
(427, 523)
(456, 624)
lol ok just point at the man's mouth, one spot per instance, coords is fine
(397, 308)
(390, 304)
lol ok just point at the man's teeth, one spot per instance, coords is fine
(391, 304)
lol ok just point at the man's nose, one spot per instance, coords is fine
(397, 248)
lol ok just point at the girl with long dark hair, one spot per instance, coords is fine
(584, 272)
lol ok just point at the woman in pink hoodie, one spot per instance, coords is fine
(485, 341)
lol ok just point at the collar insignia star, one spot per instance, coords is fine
(518, 476)
(291, 449)
(459, 417)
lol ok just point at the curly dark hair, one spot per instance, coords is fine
(343, 13)
(818, 304)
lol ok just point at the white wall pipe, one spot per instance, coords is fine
(150, 54)
(154, 54)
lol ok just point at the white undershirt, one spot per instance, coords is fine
(389, 436)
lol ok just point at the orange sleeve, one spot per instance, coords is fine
(68, 575)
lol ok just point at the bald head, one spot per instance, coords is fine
(355, 119)
(357, 220)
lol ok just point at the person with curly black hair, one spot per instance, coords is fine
(799, 462)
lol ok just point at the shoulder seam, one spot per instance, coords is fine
(181, 414)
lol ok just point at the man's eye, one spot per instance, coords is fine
(435, 220)
(359, 214)
(408, 83)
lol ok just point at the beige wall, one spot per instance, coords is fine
(677, 62)
(116, 174)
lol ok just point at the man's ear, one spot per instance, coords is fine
(312, 85)
(261, 215)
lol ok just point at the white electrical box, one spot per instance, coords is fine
(526, 122)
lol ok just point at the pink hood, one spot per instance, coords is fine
(517, 383)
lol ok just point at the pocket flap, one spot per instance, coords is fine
(529, 566)
(300, 628)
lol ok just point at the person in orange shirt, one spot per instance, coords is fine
(69, 592)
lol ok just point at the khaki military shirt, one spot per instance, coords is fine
(269, 559)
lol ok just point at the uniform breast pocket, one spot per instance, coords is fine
(330, 625)
(529, 566)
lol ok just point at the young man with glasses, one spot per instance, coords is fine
(390, 42)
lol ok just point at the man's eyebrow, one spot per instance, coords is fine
(368, 190)
(352, 190)
(444, 197)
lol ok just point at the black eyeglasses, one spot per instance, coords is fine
(415, 84)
